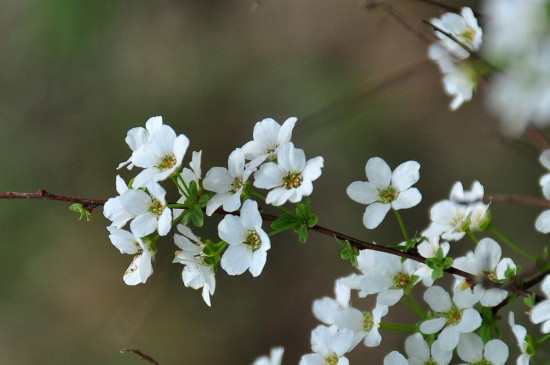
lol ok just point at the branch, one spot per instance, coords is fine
(88, 204)
(449, 8)
(472, 280)
(538, 137)
(517, 199)
(140, 354)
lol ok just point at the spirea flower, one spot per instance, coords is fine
(275, 357)
(137, 137)
(150, 211)
(329, 346)
(420, 353)
(327, 309)
(472, 350)
(541, 312)
(114, 210)
(521, 336)
(128, 243)
(465, 211)
(452, 317)
(485, 262)
(227, 183)
(463, 27)
(291, 178)
(385, 190)
(160, 155)
(248, 243)
(268, 137)
(383, 274)
(196, 273)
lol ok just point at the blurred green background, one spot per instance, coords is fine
(75, 76)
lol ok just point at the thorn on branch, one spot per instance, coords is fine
(140, 354)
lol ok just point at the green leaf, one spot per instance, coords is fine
(530, 301)
(285, 221)
(84, 213)
(203, 200)
(197, 216)
(302, 233)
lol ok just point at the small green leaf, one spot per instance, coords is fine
(284, 221)
(302, 233)
(203, 200)
(84, 213)
(197, 216)
(530, 301)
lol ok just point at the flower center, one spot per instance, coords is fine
(167, 162)
(430, 362)
(236, 184)
(491, 275)
(253, 240)
(332, 359)
(454, 316)
(156, 207)
(292, 180)
(368, 321)
(388, 195)
(401, 281)
(468, 35)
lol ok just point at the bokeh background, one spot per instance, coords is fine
(75, 76)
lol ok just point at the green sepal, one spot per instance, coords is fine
(489, 327)
(530, 301)
(84, 213)
(349, 252)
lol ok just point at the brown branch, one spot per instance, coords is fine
(140, 354)
(538, 137)
(472, 280)
(88, 204)
(517, 199)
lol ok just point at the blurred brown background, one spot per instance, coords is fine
(76, 75)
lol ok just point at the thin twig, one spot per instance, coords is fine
(452, 9)
(538, 137)
(88, 204)
(517, 199)
(140, 354)
(360, 244)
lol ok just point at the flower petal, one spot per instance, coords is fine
(374, 214)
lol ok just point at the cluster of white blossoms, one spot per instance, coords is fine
(460, 77)
(271, 158)
(461, 320)
(511, 55)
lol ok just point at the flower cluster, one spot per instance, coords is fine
(271, 158)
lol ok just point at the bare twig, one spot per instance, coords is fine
(517, 199)
(140, 354)
(88, 204)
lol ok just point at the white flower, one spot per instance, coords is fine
(227, 183)
(114, 209)
(454, 317)
(160, 156)
(248, 243)
(364, 324)
(383, 274)
(128, 243)
(150, 211)
(429, 249)
(291, 178)
(541, 312)
(485, 262)
(268, 137)
(464, 211)
(471, 350)
(196, 274)
(329, 346)
(420, 353)
(385, 190)
(521, 336)
(327, 309)
(137, 137)
(463, 27)
(275, 357)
